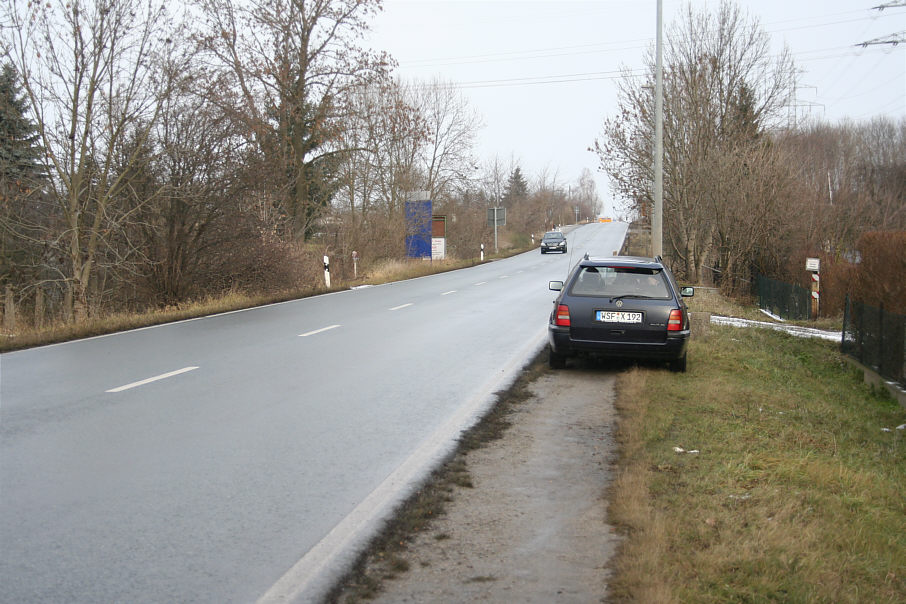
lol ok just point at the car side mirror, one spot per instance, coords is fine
(687, 292)
(555, 285)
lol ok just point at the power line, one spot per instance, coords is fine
(892, 39)
(543, 53)
(550, 79)
(896, 4)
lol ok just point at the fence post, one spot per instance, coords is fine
(846, 319)
(903, 358)
(881, 339)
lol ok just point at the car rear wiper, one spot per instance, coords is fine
(636, 296)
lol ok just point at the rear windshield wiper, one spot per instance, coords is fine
(637, 296)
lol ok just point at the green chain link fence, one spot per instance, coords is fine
(783, 299)
(876, 338)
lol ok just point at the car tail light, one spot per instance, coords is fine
(675, 322)
(562, 317)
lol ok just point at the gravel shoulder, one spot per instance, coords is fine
(532, 526)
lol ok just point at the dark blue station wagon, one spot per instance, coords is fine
(621, 307)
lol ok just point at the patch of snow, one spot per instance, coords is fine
(802, 332)
(770, 314)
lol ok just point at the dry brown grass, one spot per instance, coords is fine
(796, 493)
(27, 336)
(636, 575)
(400, 269)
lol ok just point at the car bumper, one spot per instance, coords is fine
(673, 347)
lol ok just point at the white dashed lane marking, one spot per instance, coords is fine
(156, 378)
(317, 331)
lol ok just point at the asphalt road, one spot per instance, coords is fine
(246, 456)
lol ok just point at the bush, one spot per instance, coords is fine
(879, 279)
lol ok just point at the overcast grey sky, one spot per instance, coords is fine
(543, 73)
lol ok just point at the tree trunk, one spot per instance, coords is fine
(9, 310)
(39, 307)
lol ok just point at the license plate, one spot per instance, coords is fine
(607, 316)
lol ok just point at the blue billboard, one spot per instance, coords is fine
(418, 229)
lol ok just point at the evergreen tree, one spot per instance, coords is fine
(21, 173)
(20, 152)
(516, 189)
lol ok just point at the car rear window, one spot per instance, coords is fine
(614, 281)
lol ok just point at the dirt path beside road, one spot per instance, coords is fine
(532, 528)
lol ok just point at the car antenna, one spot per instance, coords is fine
(569, 265)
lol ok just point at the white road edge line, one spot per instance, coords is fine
(401, 306)
(317, 331)
(480, 283)
(309, 579)
(452, 291)
(162, 376)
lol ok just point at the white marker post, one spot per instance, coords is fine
(327, 271)
(355, 264)
(482, 252)
(813, 265)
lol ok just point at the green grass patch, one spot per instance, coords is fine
(796, 493)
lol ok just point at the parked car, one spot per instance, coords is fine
(622, 307)
(553, 241)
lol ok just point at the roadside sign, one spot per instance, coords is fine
(813, 264)
(496, 217)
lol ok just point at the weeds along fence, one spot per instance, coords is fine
(785, 300)
(876, 338)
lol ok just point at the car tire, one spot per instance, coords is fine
(678, 365)
(556, 361)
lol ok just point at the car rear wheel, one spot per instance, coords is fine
(556, 361)
(679, 365)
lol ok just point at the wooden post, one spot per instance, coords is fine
(816, 281)
(813, 265)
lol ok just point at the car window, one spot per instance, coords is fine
(620, 281)
(554, 236)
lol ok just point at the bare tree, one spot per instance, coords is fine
(585, 194)
(452, 125)
(850, 178)
(89, 73)
(383, 138)
(290, 63)
(723, 90)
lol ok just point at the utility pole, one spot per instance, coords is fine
(657, 219)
